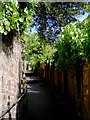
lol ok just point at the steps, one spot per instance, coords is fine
(32, 79)
(28, 72)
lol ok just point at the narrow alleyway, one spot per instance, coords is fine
(43, 103)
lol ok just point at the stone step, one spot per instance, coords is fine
(28, 71)
(32, 79)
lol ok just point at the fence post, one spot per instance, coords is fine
(89, 90)
(50, 74)
(58, 80)
(45, 71)
(65, 83)
(53, 83)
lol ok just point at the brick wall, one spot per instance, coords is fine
(10, 75)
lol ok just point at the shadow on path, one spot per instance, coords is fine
(42, 103)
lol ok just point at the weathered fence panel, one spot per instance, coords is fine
(73, 83)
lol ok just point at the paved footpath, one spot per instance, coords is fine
(42, 103)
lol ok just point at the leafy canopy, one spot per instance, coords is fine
(72, 45)
(51, 16)
(36, 52)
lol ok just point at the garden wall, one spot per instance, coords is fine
(73, 83)
(10, 76)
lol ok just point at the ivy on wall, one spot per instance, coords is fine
(16, 17)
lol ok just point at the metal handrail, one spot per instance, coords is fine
(8, 110)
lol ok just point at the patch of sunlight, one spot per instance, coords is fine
(32, 91)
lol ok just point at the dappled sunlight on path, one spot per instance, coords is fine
(42, 103)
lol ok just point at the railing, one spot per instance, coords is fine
(8, 110)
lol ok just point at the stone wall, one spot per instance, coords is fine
(10, 76)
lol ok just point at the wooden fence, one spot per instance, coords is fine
(73, 83)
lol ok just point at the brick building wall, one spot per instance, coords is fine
(10, 75)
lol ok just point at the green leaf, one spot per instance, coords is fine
(5, 33)
(2, 29)
(7, 27)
